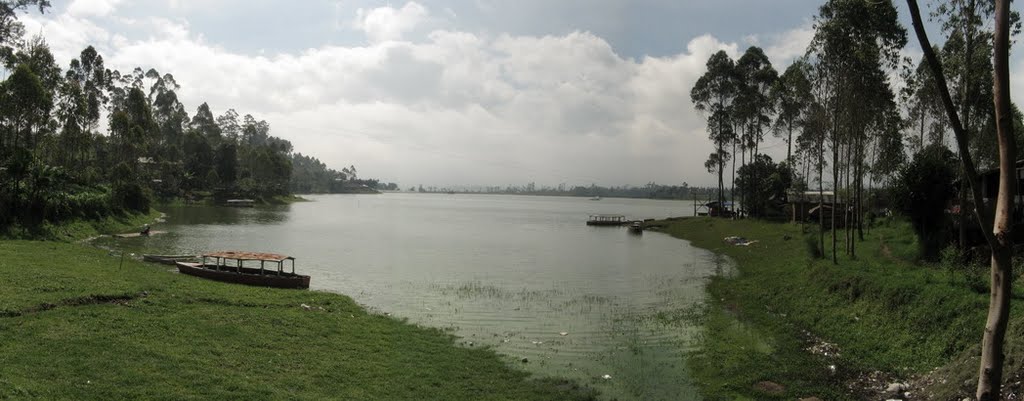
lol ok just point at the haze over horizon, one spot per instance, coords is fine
(454, 93)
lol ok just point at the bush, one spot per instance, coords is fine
(130, 196)
(922, 191)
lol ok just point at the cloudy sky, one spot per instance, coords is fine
(452, 92)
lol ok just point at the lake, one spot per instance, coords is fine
(521, 274)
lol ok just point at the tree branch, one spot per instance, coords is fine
(984, 218)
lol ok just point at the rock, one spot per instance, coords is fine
(525, 360)
(563, 333)
(769, 387)
(897, 388)
(810, 399)
(607, 377)
(306, 307)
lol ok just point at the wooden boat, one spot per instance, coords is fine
(240, 203)
(169, 259)
(636, 228)
(136, 235)
(230, 267)
(606, 220)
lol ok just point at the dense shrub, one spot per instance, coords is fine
(130, 196)
(922, 191)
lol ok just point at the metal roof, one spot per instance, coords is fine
(241, 255)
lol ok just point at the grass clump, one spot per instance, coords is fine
(81, 228)
(73, 325)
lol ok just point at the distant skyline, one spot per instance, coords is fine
(455, 92)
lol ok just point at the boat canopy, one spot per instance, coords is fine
(240, 255)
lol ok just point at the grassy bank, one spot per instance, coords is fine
(838, 332)
(74, 324)
(78, 229)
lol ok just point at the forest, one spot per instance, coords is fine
(88, 141)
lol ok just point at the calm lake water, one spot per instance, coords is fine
(509, 272)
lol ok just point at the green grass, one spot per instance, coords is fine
(82, 228)
(76, 325)
(884, 310)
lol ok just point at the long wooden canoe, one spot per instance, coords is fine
(245, 275)
(169, 259)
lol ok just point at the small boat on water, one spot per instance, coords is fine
(239, 267)
(240, 203)
(136, 235)
(636, 228)
(606, 220)
(596, 198)
(169, 259)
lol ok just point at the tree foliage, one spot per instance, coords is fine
(923, 190)
(56, 162)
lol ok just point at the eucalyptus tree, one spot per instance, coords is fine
(26, 105)
(169, 114)
(713, 94)
(966, 57)
(229, 126)
(205, 124)
(755, 76)
(82, 97)
(927, 120)
(11, 30)
(996, 226)
(791, 95)
(854, 43)
(133, 129)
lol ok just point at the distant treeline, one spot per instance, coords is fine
(648, 191)
(311, 176)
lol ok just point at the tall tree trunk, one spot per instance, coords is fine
(732, 191)
(721, 182)
(991, 369)
(855, 230)
(743, 191)
(821, 193)
(962, 217)
(998, 232)
(922, 127)
(789, 145)
(849, 195)
(965, 90)
(835, 192)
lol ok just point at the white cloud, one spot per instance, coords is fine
(99, 8)
(789, 45)
(448, 108)
(388, 23)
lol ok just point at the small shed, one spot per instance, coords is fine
(806, 205)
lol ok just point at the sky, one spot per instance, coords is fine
(455, 92)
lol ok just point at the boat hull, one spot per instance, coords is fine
(605, 223)
(246, 276)
(169, 259)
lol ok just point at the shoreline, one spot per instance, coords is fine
(880, 326)
(193, 338)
